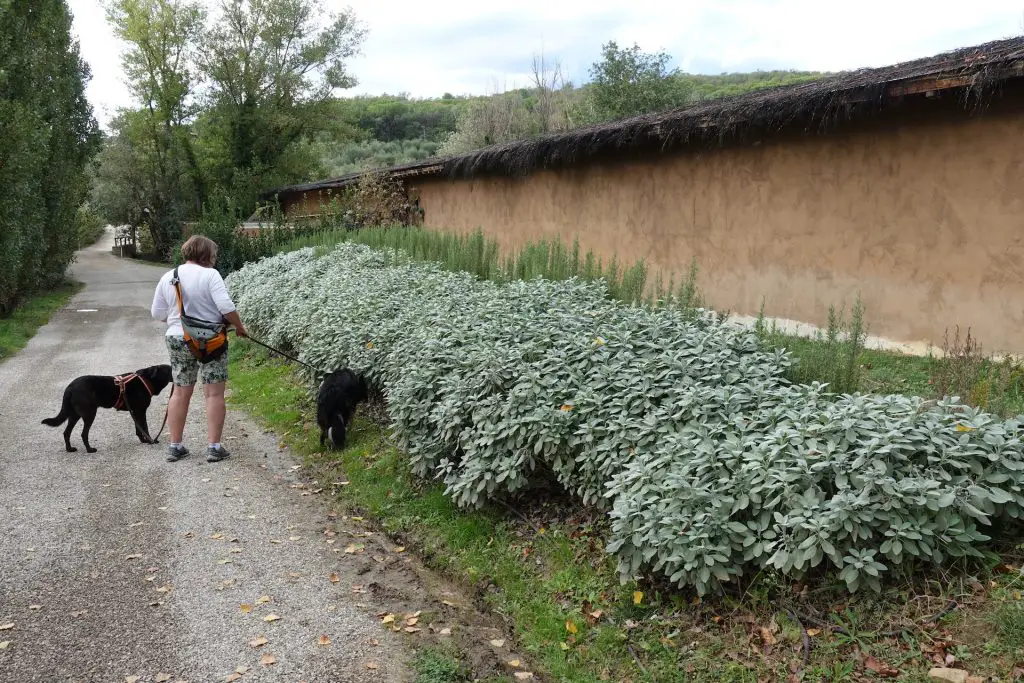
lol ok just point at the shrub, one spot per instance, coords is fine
(712, 465)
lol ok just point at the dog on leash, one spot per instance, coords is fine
(336, 402)
(132, 392)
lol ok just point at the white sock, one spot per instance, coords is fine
(176, 444)
(215, 446)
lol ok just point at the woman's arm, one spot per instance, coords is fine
(159, 309)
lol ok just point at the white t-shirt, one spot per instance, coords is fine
(204, 293)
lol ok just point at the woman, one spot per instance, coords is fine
(205, 297)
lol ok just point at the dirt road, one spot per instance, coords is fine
(119, 564)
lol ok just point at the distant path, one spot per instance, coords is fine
(69, 522)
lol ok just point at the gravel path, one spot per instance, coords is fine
(119, 564)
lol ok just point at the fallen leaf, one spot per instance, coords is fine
(412, 629)
(334, 577)
(813, 632)
(241, 669)
(224, 561)
(564, 646)
(498, 642)
(236, 550)
(294, 538)
(245, 608)
(6, 627)
(411, 621)
(268, 659)
(358, 588)
(233, 677)
(570, 627)
(767, 637)
(388, 619)
(638, 597)
(216, 537)
(259, 642)
(162, 678)
(132, 679)
(881, 668)
(275, 541)
(132, 557)
(523, 675)
(35, 607)
(445, 632)
(270, 618)
(5, 644)
(371, 665)
(262, 599)
(324, 640)
(163, 508)
(400, 549)
(514, 663)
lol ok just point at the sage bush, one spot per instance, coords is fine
(712, 466)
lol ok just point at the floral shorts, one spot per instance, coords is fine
(186, 369)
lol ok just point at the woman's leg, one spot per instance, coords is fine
(215, 377)
(177, 411)
(185, 371)
(215, 411)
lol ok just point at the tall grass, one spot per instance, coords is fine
(833, 357)
(480, 255)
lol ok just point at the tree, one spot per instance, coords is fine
(628, 81)
(273, 67)
(550, 106)
(154, 142)
(47, 135)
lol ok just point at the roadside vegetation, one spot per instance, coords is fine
(544, 555)
(34, 311)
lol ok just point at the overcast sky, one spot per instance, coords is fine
(474, 46)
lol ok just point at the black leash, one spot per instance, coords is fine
(282, 353)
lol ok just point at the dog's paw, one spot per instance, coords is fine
(71, 450)
(90, 450)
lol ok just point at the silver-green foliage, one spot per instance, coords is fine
(711, 464)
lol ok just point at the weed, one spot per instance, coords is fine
(833, 357)
(963, 370)
(1008, 619)
(434, 665)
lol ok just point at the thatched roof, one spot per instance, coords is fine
(809, 106)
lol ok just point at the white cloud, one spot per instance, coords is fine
(463, 46)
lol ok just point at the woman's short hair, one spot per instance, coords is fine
(200, 249)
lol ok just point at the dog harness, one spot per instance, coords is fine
(122, 382)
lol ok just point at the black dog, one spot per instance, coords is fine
(85, 394)
(336, 403)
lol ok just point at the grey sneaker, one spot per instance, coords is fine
(217, 454)
(176, 453)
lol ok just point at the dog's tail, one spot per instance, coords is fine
(64, 414)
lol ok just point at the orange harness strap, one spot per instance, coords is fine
(122, 382)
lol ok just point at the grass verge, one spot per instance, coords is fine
(541, 565)
(18, 328)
